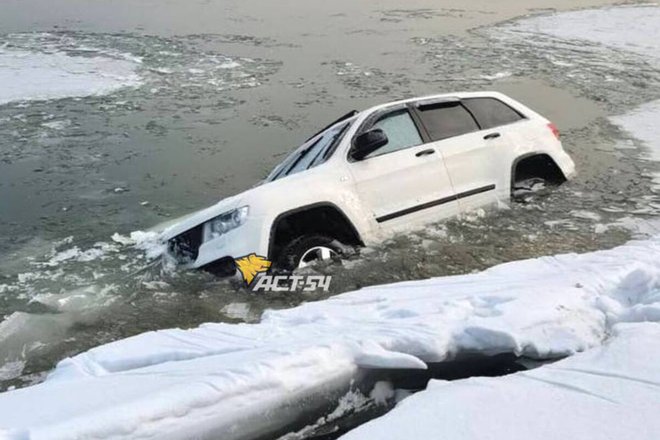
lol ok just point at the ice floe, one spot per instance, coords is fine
(632, 28)
(642, 123)
(28, 75)
(220, 378)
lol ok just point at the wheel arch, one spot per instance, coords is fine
(542, 165)
(319, 210)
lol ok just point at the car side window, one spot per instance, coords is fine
(491, 112)
(445, 120)
(400, 130)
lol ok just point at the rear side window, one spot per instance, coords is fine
(446, 120)
(491, 112)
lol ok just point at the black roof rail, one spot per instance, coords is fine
(346, 116)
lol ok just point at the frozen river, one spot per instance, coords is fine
(114, 121)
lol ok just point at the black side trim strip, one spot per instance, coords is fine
(472, 192)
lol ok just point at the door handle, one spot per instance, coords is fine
(492, 136)
(425, 152)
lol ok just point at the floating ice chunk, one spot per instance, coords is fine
(237, 311)
(121, 239)
(586, 215)
(39, 76)
(498, 75)
(57, 125)
(11, 370)
(230, 64)
(147, 241)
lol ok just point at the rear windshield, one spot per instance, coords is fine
(491, 112)
(312, 153)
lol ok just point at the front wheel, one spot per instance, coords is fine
(309, 249)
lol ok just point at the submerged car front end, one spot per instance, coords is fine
(238, 226)
(214, 237)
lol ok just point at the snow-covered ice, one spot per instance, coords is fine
(610, 392)
(221, 378)
(642, 123)
(26, 75)
(630, 28)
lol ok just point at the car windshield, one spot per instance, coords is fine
(313, 152)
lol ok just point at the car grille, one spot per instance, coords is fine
(185, 247)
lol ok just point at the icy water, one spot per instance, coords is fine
(120, 120)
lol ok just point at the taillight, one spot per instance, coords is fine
(553, 128)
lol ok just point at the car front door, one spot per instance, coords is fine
(468, 153)
(404, 181)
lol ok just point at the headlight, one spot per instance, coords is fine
(225, 223)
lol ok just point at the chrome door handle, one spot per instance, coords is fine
(425, 152)
(492, 136)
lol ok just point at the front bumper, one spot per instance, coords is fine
(219, 253)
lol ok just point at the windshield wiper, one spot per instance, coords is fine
(300, 157)
(333, 145)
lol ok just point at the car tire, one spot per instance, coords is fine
(524, 190)
(307, 248)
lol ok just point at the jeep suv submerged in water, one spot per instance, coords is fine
(374, 173)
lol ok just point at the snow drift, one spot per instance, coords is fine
(242, 380)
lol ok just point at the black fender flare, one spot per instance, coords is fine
(283, 215)
(522, 157)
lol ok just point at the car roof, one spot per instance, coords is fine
(447, 97)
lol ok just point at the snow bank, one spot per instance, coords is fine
(239, 380)
(28, 75)
(610, 392)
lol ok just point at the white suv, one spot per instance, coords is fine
(373, 173)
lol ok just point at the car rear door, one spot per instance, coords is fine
(404, 181)
(470, 155)
(506, 133)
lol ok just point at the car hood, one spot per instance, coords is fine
(191, 220)
(300, 184)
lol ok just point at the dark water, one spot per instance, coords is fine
(226, 89)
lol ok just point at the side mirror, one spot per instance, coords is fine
(368, 142)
